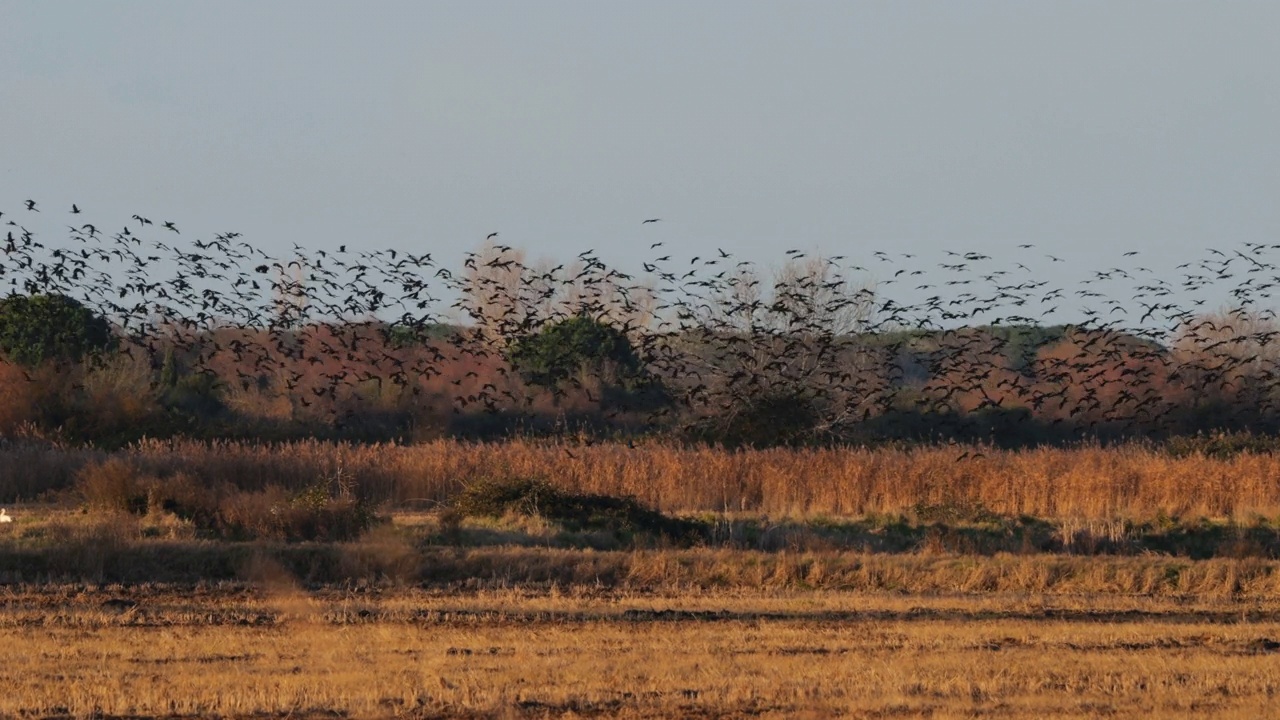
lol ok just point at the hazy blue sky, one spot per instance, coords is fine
(754, 126)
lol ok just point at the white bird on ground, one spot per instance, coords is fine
(4, 516)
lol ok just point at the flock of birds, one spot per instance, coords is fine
(719, 332)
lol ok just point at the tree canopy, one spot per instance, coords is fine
(37, 328)
(569, 347)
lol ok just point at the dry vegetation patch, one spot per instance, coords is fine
(1133, 482)
(526, 579)
(237, 651)
(316, 512)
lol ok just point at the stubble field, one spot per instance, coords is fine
(277, 650)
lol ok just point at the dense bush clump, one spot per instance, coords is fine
(573, 511)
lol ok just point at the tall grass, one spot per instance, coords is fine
(31, 467)
(1138, 481)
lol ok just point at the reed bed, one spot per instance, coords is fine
(1139, 482)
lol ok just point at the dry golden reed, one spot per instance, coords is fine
(1136, 481)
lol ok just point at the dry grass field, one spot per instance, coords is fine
(1079, 582)
(274, 650)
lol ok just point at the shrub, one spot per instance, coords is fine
(315, 514)
(18, 398)
(777, 418)
(112, 485)
(114, 403)
(190, 393)
(223, 511)
(188, 499)
(497, 497)
(273, 514)
(574, 512)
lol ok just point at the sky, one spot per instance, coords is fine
(1088, 128)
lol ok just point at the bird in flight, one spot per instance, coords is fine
(491, 236)
(650, 220)
(171, 226)
(31, 205)
(75, 209)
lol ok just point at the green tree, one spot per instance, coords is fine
(569, 348)
(36, 328)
